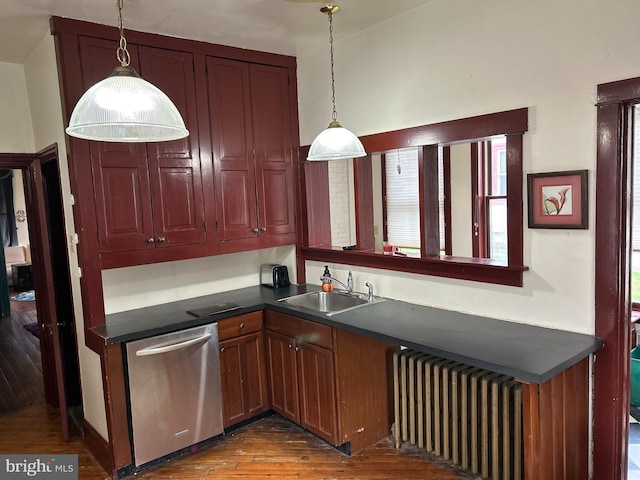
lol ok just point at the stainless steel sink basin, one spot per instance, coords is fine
(329, 303)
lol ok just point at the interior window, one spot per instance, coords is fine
(448, 194)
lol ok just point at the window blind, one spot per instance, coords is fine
(403, 205)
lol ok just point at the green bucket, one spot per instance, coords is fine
(635, 376)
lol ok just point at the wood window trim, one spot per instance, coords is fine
(512, 123)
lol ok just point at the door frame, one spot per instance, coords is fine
(50, 350)
(612, 280)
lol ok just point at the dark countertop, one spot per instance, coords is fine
(527, 352)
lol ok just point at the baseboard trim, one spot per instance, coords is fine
(99, 448)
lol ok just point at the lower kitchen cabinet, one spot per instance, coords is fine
(317, 391)
(243, 368)
(332, 382)
(283, 377)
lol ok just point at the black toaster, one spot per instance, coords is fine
(274, 275)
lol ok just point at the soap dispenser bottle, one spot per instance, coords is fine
(327, 285)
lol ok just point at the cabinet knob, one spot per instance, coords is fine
(242, 325)
(255, 230)
(151, 240)
(263, 229)
(222, 349)
(297, 349)
(290, 346)
(161, 239)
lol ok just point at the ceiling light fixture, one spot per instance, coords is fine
(125, 108)
(335, 142)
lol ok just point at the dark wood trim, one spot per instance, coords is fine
(363, 178)
(446, 167)
(464, 129)
(475, 269)
(317, 230)
(99, 448)
(383, 176)
(477, 200)
(627, 91)
(428, 197)
(78, 27)
(115, 399)
(514, 199)
(612, 288)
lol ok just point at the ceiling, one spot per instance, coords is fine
(280, 26)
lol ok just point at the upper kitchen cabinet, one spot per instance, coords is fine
(228, 187)
(252, 147)
(147, 195)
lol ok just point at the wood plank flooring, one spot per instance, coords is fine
(20, 363)
(271, 448)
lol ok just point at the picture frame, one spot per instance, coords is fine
(558, 199)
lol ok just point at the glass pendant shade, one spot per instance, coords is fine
(335, 143)
(125, 108)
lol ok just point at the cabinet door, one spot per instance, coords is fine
(273, 149)
(256, 393)
(232, 140)
(174, 167)
(243, 376)
(282, 375)
(120, 172)
(317, 380)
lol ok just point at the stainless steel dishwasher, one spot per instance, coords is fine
(174, 389)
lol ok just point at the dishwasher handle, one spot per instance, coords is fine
(173, 347)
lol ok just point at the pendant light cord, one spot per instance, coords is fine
(122, 53)
(334, 115)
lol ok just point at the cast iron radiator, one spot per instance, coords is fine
(467, 415)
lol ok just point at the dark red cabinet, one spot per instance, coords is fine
(147, 195)
(250, 123)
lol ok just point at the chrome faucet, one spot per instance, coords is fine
(370, 287)
(325, 278)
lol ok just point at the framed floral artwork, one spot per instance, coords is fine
(558, 199)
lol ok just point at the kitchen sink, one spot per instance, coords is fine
(330, 303)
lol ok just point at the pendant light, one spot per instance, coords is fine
(125, 108)
(336, 142)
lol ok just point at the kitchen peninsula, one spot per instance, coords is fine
(542, 359)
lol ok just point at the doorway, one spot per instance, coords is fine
(614, 189)
(51, 281)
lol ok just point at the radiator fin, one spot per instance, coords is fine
(469, 416)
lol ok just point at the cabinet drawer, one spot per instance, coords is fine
(240, 325)
(303, 331)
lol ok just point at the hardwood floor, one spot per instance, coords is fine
(20, 364)
(271, 448)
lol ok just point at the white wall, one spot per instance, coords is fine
(16, 133)
(141, 286)
(462, 58)
(19, 203)
(461, 214)
(41, 79)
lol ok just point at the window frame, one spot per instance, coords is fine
(313, 202)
